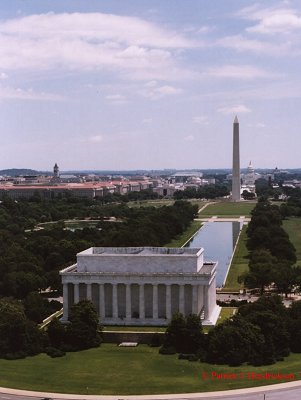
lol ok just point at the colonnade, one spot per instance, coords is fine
(136, 304)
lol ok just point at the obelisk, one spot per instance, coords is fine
(236, 164)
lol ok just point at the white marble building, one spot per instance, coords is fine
(142, 285)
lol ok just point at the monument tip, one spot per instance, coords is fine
(235, 120)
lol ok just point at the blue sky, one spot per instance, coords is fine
(149, 84)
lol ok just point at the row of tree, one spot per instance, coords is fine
(202, 192)
(31, 260)
(261, 333)
(21, 337)
(272, 255)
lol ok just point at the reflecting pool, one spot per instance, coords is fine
(218, 240)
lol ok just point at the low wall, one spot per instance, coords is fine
(139, 337)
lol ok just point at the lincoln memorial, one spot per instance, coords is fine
(142, 285)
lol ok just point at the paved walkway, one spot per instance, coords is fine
(206, 205)
(242, 218)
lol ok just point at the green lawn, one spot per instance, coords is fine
(112, 370)
(135, 328)
(226, 312)
(160, 203)
(239, 264)
(293, 228)
(151, 203)
(181, 240)
(228, 209)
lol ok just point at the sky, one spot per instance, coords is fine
(148, 84)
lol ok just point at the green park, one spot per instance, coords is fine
(112, 370)
(109, 369)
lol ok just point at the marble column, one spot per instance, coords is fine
(102, 310)
(128, 304)
(155, 301)
(115, 301)
(168, 302)
(141, 302)
(195, 299)
(89, 291)
(65, 302)
(76, 293)
(182, 299)
(205, 301)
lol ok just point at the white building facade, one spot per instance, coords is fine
(142, 285)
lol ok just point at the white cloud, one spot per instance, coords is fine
(200, 120)
(147, 120)
(241, 43)
(85, 41)
(238, 72)
(116, 99)
(167, 90)
(238, 109)
(161, 91)
(3, 75)
(9, 93)
(271, 20)
(189, 138)
(151, 84)
(95, 139)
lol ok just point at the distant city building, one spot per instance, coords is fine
(142, 285)
(186, 176)
(56, 172)
(248, 179)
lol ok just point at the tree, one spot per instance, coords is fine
(285, 277)
(260, 270)
(275, 332)
(57, 334)
(83, 330)
(248, 195)
(184, 334)
(234, 342)
(18, 336)
(34, 306)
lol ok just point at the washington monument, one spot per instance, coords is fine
(236, 164)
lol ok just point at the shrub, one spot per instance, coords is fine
(156, 340)
(167, 350)
(54, 352)
(15, 356)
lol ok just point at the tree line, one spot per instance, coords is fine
(260, 333)
(20, 336)
(30, 260)
(272, 256)
(202, 192)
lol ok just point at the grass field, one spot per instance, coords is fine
(151, 203)
(182, 239)
(228, 209)
(134, 328)
(112, 370)
(293, 228)
(226, 312)
(160, 203)
(70, 224)
(239, 264)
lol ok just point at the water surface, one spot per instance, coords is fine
(218, 240)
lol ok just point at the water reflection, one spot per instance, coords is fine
(218, 240)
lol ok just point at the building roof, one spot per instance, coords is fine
(140, 251)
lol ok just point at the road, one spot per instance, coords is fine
(287, 391)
